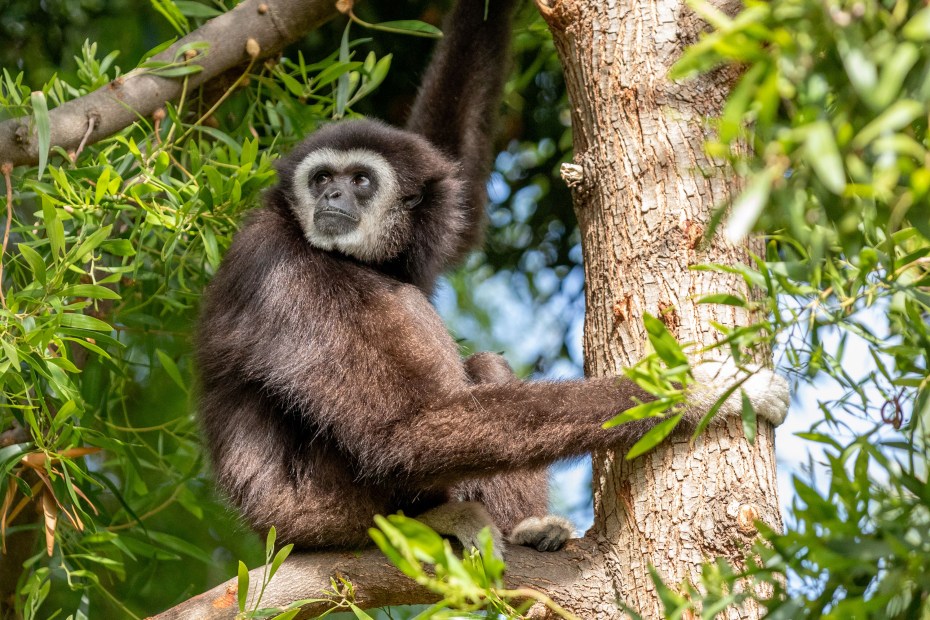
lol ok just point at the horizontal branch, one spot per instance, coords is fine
(376, 582)
(272, 24)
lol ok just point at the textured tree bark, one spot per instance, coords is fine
(643, 190)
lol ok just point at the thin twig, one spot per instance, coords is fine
(91, 123)
(7, 170)
(220, 101)
(171, 499)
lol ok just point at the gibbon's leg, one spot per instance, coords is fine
(518, 501)
(306, 493)
(464, 520)
(509, 497)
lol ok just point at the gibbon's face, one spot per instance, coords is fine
(351, 201)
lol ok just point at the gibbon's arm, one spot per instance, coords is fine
(519, 424)
(457, 106)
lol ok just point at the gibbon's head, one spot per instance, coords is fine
(372, 191)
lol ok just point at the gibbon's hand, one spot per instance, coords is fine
(768, 392)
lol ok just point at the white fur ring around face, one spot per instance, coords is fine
(767, 391)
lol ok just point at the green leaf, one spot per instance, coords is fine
(171, 13)
(279, 558)
(651, 409)
(176, 70)
(118, 247)
(823, 156)
(92, 291)
(749, 418)
(359, 613)
(102, 182)
(747, 208)
(900, 114)
(374, 79)
(664, 343)
(43, 127)
(894, 72)
(243, 585)
(161, 47)
(53, 228)
(82, 321)
(918, 27)
(181, 546)
(654, 437)
(333, 72)
(90, 243)
(35, 261)
(210, 247)
(724, 299)
(342, 86)
(188, 8)
(170, 368)
(410, 26)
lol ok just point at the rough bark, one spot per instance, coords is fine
(272, 24)
(643, 190)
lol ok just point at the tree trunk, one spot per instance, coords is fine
(643, 190)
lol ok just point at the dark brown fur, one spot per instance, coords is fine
(330, 389)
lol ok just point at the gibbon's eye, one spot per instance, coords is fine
(321, 178)
(361, 180)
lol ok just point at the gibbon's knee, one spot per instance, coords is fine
(488, 367)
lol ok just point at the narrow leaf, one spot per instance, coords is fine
(43, 127)
(898, 115)
(171, 369)
(654, 437)
(35, 261)
(918, 27)
(749, 205)
(823, 155)
(410, 26)
(82, 321)
(749, 418)
(663, 341)
(243, 585)
(724, 299)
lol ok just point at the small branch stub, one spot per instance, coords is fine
(252, 48)
(746, 518)
(573, 175)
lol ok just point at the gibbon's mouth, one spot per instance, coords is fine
(340, 214)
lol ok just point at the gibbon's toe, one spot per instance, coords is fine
(547, 533)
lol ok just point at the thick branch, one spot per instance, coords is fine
(271, 23)
(375, 580)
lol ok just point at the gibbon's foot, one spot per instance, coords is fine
(767, 391)
(547, 533)
(464, 520)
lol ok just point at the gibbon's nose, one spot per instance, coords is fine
(336, 193)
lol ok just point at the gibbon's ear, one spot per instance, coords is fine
(413, 200)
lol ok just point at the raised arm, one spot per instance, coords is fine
(457, 106)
